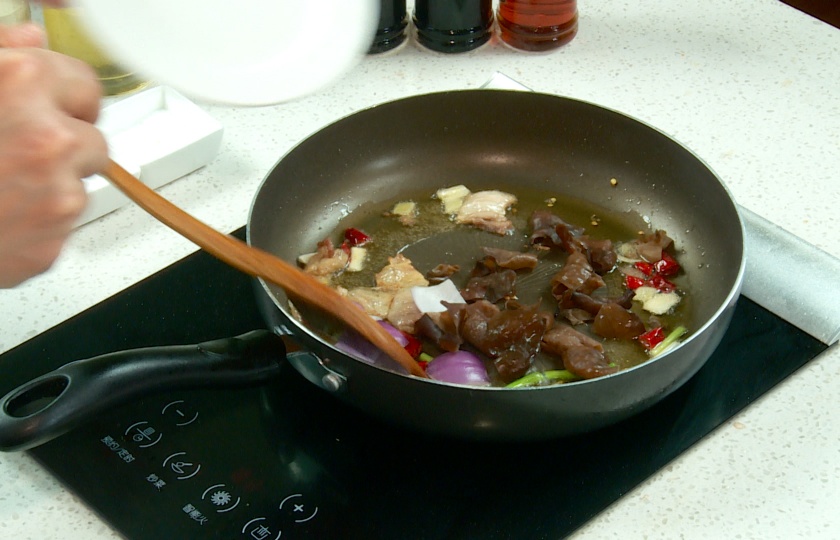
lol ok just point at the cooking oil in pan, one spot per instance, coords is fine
(436, 239)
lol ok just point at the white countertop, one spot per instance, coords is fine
(751, 86)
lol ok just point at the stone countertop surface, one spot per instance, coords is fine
(752, 87)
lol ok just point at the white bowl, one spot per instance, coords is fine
(247, 52)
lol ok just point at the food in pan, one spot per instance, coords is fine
(509, 290)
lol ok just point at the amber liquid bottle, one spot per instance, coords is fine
(391, 30)
(537, 25)
(453, 26)
(66, 34)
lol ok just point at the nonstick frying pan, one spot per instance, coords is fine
(485, 139)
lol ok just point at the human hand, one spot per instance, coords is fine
(27, 34)
(22, 35)
(48, 143)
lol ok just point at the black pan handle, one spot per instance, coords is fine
(54, 403)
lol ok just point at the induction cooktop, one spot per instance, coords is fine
(287, 460)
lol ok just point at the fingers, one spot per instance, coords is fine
(22, 35)
(78, 91)
(37, 217)
(90, 153)
(42, 196)
(74, 85)
(77, 88)
(48, 143)
(59, 81)
(49, 103)
(61, 144)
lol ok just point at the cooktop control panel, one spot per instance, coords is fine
(174, 463)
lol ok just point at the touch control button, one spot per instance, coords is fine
(179, 413)
(258, 529)
(298, 509)
(143, 434)
(295, 507)
(221, 498)
(181, 465)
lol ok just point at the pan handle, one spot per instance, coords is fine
(55, 403)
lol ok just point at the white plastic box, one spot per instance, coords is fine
(157, 135)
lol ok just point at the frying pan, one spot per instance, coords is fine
(484, 139)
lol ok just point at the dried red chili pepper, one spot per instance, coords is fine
(652, 338)
(667, 265)
(645, 267)
(661, 284)
(656, 281)
(633, 282)
(356, 237)
(413, 347)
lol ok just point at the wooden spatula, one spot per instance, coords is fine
(259, 263)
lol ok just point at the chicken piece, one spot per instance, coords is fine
(327, 260)
(486, 210)
(403, 312)
(376, 302)
(400, 274)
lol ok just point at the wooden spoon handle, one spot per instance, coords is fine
(256, 262)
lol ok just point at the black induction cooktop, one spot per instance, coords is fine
(287, 460)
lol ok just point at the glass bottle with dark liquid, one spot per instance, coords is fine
(453, 26)
(537, 25)
(393, 20)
